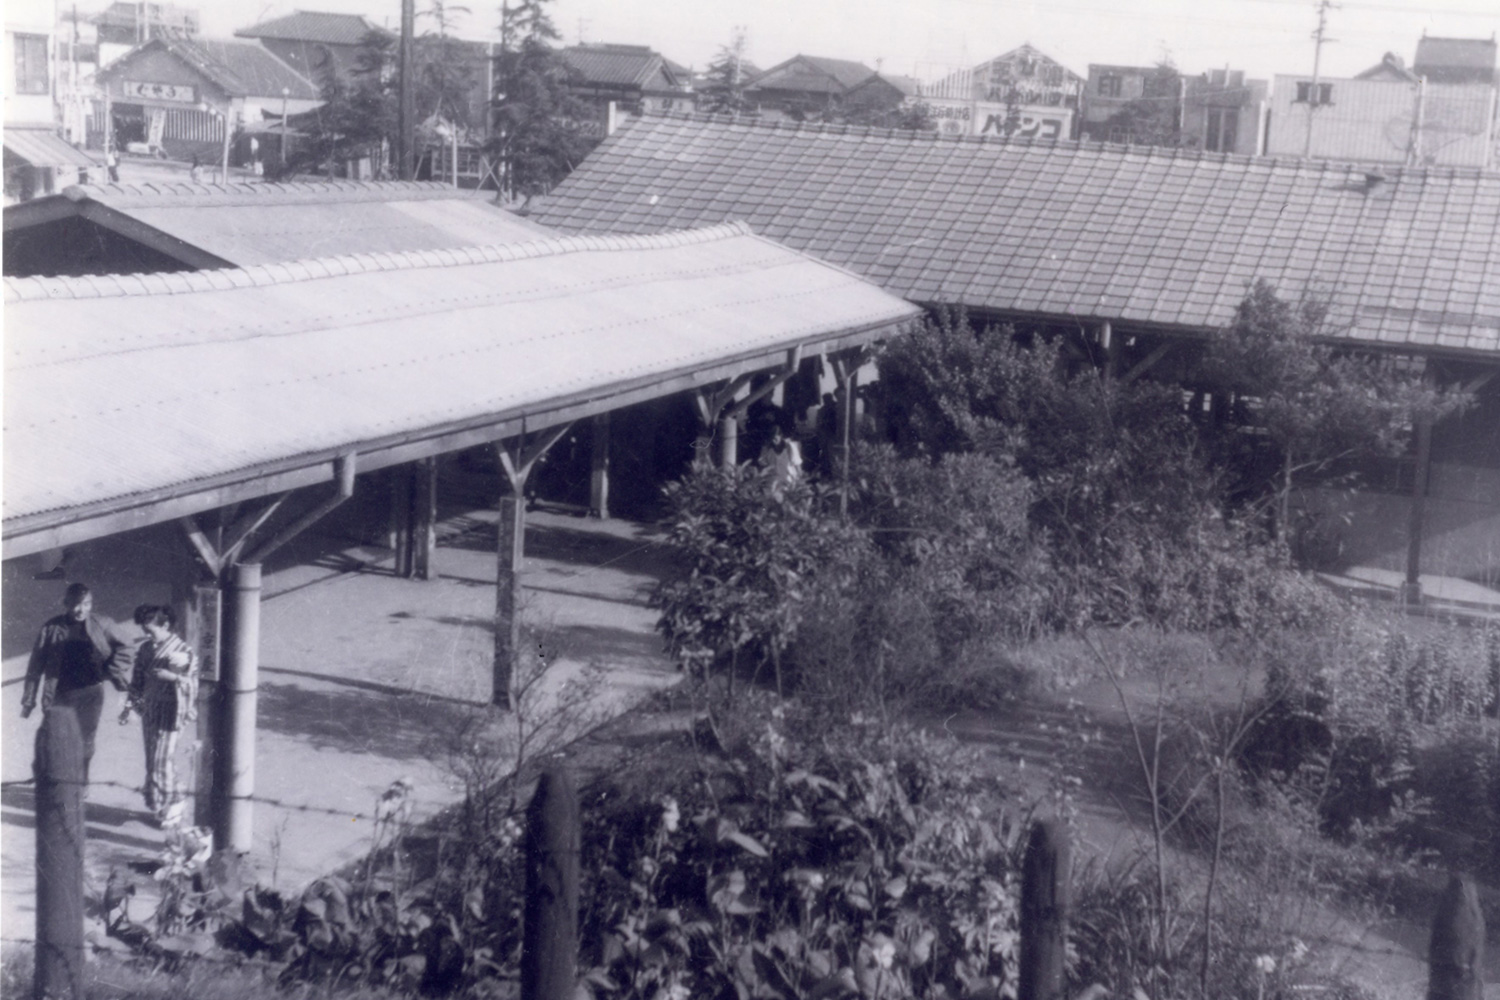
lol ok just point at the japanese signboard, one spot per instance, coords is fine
(177, 93)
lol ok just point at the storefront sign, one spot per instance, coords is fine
(179, 93)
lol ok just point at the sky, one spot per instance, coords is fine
(928, 38)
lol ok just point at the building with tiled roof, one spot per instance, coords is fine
(1455, 60)
(635, 77)
(1145, 238)
(176, 94)
(316, 43)
(804, 87)
(1021, 92)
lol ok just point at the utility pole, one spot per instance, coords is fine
(406, 140)
(1319, 37)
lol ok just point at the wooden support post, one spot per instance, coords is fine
(234, 777)
(59, 770)
(1044, 912)
(847, 373)
(510, 554)
(424, 520)
(1411, 590)
(549, 928)
(599, 473)
(1455, 956)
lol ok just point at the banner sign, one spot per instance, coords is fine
(179, 93)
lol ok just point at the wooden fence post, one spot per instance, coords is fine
(1455, 958)
(59, 769)
(1044, 912)
(549, 942)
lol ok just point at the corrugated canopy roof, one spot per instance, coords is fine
(209, 225)
(178, 384)
(41, 146)
(1136, 235)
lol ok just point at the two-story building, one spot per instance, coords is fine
(315, 43)
(177, 96)
(635, 78)
(1022, 93)
(1441, 114)
(37, 159)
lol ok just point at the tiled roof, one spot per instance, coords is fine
(1136, 235)
(178, 383)
(242, 69)
(314, 26)
(613, 65)
(247, 224)
(814, 74)
(1456, 59)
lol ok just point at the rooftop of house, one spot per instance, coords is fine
(614, 65)
(1455, 60)
(315, 26)
(240, 68)
(1144, 236)
(817, 74)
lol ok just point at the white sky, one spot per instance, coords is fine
(928, 37)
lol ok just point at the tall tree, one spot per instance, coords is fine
(541, 128)
(1312, 404)
(446, 78)
(723, 91)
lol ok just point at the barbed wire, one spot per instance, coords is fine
(283, 804)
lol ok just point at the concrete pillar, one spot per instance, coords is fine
(401, 521)
(424, 519)
(849, 385)
(599, 474)
(510, 554)
(234, 772)
(729, 442)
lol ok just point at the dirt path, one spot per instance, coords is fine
(1080, 739)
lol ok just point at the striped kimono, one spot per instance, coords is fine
(164, 689)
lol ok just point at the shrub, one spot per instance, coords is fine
(822, 861)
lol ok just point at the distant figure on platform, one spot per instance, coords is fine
(781, 460)
(195, 172)
(112, 163)
(74, 654)
(164, 690)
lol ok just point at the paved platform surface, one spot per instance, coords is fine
(365, 678)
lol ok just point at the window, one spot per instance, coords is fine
(1109, 85)
(1223, 125)
(31, 64)
(1305, 93)
(1028, 66)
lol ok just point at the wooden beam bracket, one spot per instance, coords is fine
(518, 467)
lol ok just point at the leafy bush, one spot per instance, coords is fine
(753, 559)
(817, 863)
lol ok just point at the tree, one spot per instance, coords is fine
(753, 557)
(445, 78)
(541, 127)
(1315, 405)
(723, 91)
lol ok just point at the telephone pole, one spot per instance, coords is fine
(1319, 37)
(406, 109)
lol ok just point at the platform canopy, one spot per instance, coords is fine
(177, 225)
(134, 399)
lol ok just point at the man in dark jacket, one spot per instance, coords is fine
(74, 654)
